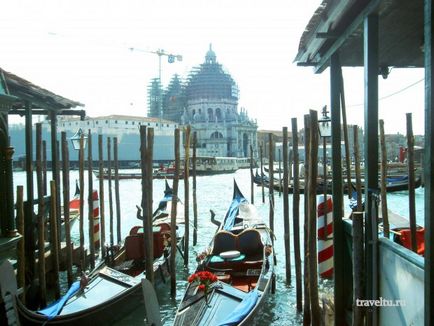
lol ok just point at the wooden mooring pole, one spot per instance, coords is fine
(306, 306)
(117, 198)
(186, 193)
(383, 175)
(358, 267)
(101, 195)
(81, 181)
(194, 189)
(357, 168)
(262, 172)
(90, 200)
(110, 192)
(149, 235)
(411, 186)
(66, 198)
(252, 193)
(271, 183)
(312, 232)
(54, 239)
(286, 205)
(44, 166)
(173, 244)
(21, 278)
(279, 158)
(41, 214)
(296, 216)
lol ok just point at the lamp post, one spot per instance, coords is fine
(324, 127)
(6, 152)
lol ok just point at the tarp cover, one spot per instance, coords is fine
(242, 309)
(56, 307)
(233, 211)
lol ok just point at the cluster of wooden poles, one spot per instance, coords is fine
(146, 149)
(311, 308)
(51, 261)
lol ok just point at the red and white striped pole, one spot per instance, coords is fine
(96, 229)
(325, 237)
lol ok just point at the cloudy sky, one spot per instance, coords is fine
(81, 50)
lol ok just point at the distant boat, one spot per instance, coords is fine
(160, 173)
(209, 165)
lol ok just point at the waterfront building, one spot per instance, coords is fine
(209, 103)
(124, 128)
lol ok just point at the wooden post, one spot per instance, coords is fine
(286, 205)
(147, 232)
(109, 177)
(66, 199)
(90, 200)
(262, 171)
(357, 168)
(411, 195)
(186, 193)
(345, 130)
(173, 219)
(358, 269)
(44, 166)
(280, 173)
(271, 184)
(149, 235)
(306, 306)
(54, 239)
(21, 279)
(383, 176)
(101, 195)
(194, 190)
(312, 185)
(296, 215)
(117, 198)
(252, 194)
(41, 215)
(81, 181)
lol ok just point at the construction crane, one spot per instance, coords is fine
(171, 58)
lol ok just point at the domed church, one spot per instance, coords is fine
(208, 101)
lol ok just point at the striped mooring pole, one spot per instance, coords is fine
(96, 228)
(325, 237)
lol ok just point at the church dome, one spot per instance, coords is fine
(210, 81)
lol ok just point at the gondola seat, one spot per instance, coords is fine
(248, 243)
(135, 246)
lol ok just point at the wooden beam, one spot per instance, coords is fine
(428, 164)
(370, 7)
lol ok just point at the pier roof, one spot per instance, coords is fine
(339, 25)
(38, 96)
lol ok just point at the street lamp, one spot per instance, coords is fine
(325, 130)
(75, 140)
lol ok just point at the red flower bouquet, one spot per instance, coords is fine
(204, 279)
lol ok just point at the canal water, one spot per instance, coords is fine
(215, 192)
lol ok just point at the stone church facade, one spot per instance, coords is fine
(208, 101)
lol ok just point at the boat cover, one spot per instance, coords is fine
(241, 310)
(233, 211)
(56, 307)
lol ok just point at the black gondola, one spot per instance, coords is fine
(239, 264)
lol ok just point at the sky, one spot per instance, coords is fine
(82, 50)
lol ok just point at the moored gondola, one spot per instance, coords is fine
(235, 273)
(114, 287)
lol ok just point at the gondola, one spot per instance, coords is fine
(114, 288)
(235, 274)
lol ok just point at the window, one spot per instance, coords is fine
(132, 122)
(96, 122)
(106, 122)
(116, 121)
